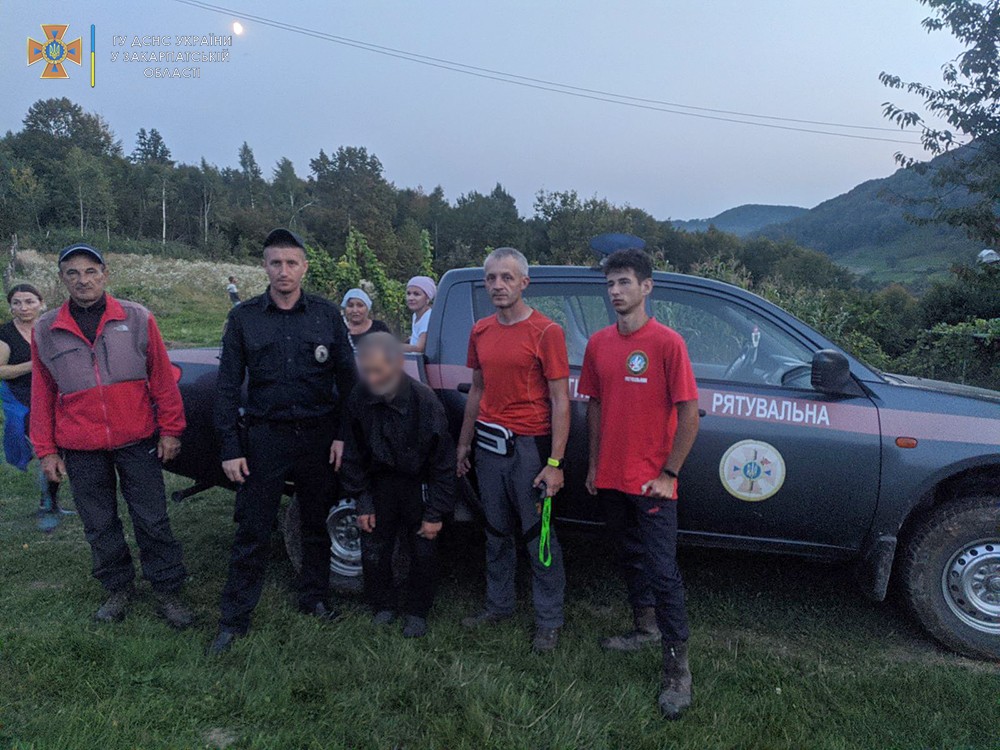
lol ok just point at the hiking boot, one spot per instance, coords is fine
(177, 614)
(545, 640)
(416, 627)
(222, 642)
(483, 618)
(675, 697)
(384, 617)
(116, 606)
(320, 611)
(645, 633)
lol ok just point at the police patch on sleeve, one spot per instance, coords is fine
(752, 470)
(322, 354)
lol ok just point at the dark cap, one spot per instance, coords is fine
(283, 238)
(80, 247)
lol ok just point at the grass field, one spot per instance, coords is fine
(785, 655)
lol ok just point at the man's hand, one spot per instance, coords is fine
(552, 478)
(591, 479)
(336, 454)
(168, 448)
(54, 467)
(236, 470)
(462, 461)
(367, 523)
(663, 487)
(429, 530)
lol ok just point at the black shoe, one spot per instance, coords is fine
(320, 612)
(177, 614)
(384, 617)
(116, 606)
(482, 619)
(222, 643)
(416, 627)
(545, 640)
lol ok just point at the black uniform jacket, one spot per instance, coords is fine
(295, 363)
(405, 437)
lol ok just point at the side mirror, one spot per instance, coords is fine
(831, 372)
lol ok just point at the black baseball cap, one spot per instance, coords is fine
(283, 238)
(80, 247)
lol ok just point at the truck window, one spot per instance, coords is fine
(727, 341)
(581, 310)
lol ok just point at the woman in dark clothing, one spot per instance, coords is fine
(356, 305)
(26, 306)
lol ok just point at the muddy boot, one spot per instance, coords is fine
(117, 605)
(675, 696)
(644, 633)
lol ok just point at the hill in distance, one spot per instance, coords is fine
(742, 220)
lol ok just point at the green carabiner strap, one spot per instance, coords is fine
(545, 535)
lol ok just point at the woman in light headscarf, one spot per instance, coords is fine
(357, 307)
(420, 291)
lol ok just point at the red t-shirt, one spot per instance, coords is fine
(517, 362)
(638, 379)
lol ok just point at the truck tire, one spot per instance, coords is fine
(951, 574)
(345, 543)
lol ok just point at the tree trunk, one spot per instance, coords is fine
(163, 205)
(81, 212)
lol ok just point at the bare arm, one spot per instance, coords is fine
(417, 347)
(467, 434)
(9, 372)
(594, 441)
(550, 476)
(687, 431)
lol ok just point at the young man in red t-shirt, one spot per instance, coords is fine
(517, 416)
(642, 419)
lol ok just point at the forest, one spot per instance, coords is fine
(66, 175)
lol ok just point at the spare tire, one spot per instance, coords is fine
(345, 542)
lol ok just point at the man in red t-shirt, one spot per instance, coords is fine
(517, 415)
(642, 419)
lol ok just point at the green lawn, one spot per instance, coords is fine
(785, 655)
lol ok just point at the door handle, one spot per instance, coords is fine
(464, 387)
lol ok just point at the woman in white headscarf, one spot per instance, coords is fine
(420, 291)
(357, 307)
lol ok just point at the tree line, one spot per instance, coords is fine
(66, 175)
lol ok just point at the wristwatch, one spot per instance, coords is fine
(670, 473)
(555, 463)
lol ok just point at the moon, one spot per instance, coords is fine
(237, 28)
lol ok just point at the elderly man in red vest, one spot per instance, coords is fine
(105, 408)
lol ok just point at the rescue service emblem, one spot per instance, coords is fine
(637, 362)
(752, 470)
(322, 354)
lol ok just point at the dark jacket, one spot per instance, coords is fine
(297, 364)
(406, 437)
(118, 390)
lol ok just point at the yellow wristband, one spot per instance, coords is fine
(555, 463)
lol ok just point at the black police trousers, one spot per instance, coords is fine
(94, 477)
(399, 511)
(644, 530)
(277, 452)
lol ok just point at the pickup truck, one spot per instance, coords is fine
(803, 449)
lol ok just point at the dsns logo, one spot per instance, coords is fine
(55, 51)
(637, 362)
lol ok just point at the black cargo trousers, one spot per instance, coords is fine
(278, 452)
(94, 477)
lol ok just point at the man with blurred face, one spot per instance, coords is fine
(642, 420)
(105, 409)
(292, 350)
(517, 415)
(399, 465)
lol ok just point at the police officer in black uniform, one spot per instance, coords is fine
(292, 349)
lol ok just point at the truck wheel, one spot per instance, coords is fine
(345, 540)
(951, 572)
